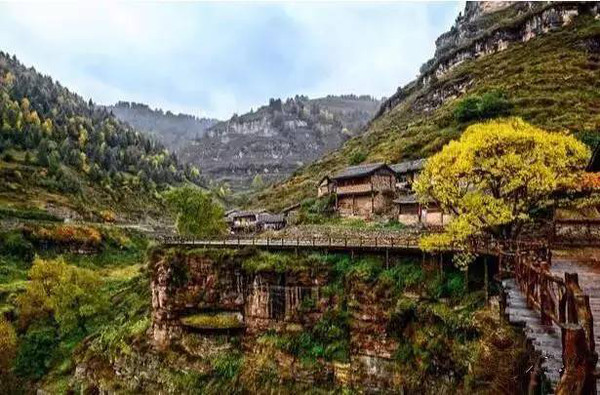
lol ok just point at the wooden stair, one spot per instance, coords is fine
(546, 339)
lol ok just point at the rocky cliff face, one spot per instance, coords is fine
(485, 28)
(278, 138)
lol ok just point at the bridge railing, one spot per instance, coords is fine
(407, 241)
(560, 301)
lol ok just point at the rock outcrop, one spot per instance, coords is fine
(485, 28)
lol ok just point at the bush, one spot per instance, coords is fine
(357, 157)
(15, 245)
(227, 366)
(491, 104)
(35, 354)
(467, 109)
(8, 345)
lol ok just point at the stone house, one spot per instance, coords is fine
(408, 209)
(364, 190)
(253, 221)
(268, 221)
(406, 172)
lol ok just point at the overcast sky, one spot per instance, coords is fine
(214, 59)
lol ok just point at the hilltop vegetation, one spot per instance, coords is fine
(552, 82)
(173, 130)
(57, 150)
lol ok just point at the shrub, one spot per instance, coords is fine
(66, 234)
(227, 365)
(8, 345)
(35, 354)
(357, 157)
(491, 104)
(467, 109)
(15, 245)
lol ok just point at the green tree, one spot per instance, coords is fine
(497, 177)
(197, 213)
(61, 293)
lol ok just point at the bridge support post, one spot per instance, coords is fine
(486, 281)
(387, 258)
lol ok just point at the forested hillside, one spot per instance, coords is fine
(62, 154)
(173, 130)
(268, 144)
(538, 61)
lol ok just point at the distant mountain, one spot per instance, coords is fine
(62, 154)
(173, 130)
(278, 138)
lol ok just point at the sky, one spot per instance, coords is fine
(215, 59)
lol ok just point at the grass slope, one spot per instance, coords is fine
(553, 82)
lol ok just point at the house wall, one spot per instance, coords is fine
(364, 205)
(383, 181)
(323, 190)
(409, 213)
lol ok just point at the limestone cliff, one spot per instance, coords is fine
(488, 27)
(278, 138)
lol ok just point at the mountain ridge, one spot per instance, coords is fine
(276, 139)
(65, 155)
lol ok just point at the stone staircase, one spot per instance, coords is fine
(546, 339)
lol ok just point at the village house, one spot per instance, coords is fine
(268, 221)
(253, 221)
(408, 209)
(364, 190)
(379, 189)
(406, 173)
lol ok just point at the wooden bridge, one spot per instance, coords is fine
(547, 302)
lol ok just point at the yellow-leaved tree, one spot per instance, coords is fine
(497, 177)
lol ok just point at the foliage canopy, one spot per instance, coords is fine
(197, 213)
(66, 294)
(498, 176)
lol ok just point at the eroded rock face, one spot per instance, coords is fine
(187, 284)
(291, 301)
(278, 138)
(485, 28)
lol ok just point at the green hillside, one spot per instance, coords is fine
(63, 155)
(552, 81)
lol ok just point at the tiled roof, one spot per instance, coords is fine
(358, 171)
(239, 214)
(271, 218)
(404, 167)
